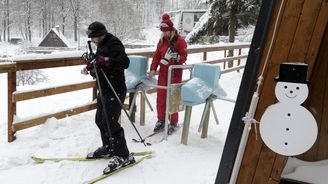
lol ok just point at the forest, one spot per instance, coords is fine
(28, 19)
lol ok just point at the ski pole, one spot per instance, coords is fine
(119, 101)
(104, 106)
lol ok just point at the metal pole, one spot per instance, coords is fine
(119, 101)
(104, 106)
(243, 141)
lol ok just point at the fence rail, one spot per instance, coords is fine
(32, 64)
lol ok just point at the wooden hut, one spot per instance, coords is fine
(54, 38)
(293, 31)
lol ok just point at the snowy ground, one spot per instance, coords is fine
(76, 136)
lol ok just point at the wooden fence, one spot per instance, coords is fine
(22, 65)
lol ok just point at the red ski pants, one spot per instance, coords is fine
(161, 107)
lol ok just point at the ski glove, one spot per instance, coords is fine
(170, 55)
(175, 56)
(89, 70)
(103, 61)
(88, 58)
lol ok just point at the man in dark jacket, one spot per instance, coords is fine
(112, 59)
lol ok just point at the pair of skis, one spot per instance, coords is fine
(143, 155)
(154, 134)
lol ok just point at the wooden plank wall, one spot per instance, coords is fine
(300, 32)
(317, 103)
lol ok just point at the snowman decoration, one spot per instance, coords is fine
(286, 127)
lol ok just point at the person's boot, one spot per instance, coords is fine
(172, 128)
(101, 152)
(159, 126)
(117, 162)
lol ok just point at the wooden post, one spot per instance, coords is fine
(239, 53)
(11, 106)
(133, 113)
(94, 93)
(142, 110)
(186, 124)
(204, 56)
(206, 121)
(14, 88)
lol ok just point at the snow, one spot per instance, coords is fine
(310, 172)
(78, 135)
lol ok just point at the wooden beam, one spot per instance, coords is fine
(279, 164)
(20, 96)
(11, 89)
(304, 31)
(48, 63)
(216, 61)
(236, 68)
(59, 115)
(317, 36)
(4, 68)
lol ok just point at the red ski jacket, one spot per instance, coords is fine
(179, 46)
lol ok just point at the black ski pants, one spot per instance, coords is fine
(113, 112)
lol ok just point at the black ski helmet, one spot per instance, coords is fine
(96, 29)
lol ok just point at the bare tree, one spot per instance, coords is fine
(30, 77)
(6, 22)
(75, 5)
(1, 17)
(43, 17)
(63, 13)
(28, 20)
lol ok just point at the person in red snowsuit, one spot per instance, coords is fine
(171, 50)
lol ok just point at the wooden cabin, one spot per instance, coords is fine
(300, 34)
(54, 38)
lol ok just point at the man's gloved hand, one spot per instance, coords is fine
(151, 74)
(103, 61)
(88, 58)
(89, 69)
(84, 71)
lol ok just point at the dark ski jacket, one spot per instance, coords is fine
(111, 54)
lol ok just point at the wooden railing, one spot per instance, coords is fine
(31, 64)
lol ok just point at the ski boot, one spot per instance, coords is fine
(159, 126)
(117, 162)
(101, 152)
(172, 128)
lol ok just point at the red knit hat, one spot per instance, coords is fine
(166, 24)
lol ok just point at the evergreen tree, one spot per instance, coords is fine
(225, 13)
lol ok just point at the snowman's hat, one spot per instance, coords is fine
(293, 72)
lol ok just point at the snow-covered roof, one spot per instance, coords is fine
(60, 38)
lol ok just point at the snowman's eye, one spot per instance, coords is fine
(285, 87)
(297, 88)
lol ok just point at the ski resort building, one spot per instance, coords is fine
(185, 20)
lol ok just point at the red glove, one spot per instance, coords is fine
(89, 67)
(103, 61)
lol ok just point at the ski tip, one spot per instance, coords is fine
(135, 140)
(142, 153)
(38, 160)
